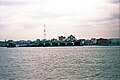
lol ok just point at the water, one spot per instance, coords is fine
(60, 63)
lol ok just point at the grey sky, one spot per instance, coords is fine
(24, 19)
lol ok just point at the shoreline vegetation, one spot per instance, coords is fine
(57, 44)
(61, 41)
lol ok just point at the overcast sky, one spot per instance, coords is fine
(25, 19)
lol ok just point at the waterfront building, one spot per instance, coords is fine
(82, 41)
(53, 40)
(93, 41)
(102, 41)
(88, 42)
(71, 38)
(61, 38)
(114, 41)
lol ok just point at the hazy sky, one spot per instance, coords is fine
(24, 19)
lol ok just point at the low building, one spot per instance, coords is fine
(102, 41)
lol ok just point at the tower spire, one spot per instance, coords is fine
(44, 32)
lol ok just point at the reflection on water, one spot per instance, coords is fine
(60, 63)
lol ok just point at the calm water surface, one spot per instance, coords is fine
(60, 63)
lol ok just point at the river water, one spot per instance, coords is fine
(60, 63)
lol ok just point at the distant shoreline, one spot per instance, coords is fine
(13, 46)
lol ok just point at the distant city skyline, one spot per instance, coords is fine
(25, 19)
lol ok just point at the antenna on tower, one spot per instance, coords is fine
(44, 32)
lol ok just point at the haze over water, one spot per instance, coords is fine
(60, 63)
